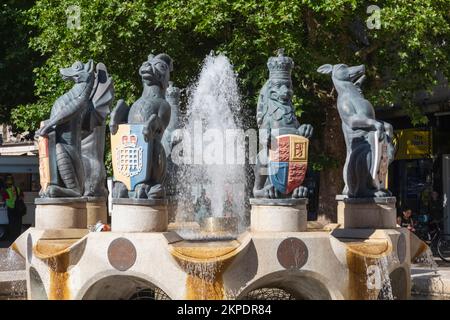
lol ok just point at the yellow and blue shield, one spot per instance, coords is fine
(288, 161)
(130, 155)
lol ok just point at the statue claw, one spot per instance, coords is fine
(141, 191)
(305, 130)
(270, 192)
(156, 192)
(382, 193)
(300, 192)
(42, 132)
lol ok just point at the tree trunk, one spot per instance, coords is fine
(331, 180)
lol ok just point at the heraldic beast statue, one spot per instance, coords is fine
(71, 142)
(369, 141)
(139, 160)
(281, 164)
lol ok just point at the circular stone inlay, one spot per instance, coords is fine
(401, 248)
(122, 254)
(292, 253)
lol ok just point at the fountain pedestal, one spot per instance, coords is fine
(139, 215)
(279, 215)
(61, 213)
(96, 210)
(376, 213)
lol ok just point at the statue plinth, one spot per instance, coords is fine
(97, 210)
(373, 213)
(61, 213)
(139, 215)
(278, 215)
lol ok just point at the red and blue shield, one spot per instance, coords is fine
(130, 155)
(288, 161)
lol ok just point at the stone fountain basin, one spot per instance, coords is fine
(204, 251)
(54, 243)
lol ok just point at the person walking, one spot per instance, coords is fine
(10, 195)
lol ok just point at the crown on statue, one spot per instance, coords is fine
(172, 92)
(280, 67)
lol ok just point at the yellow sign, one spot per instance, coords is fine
(413, 144)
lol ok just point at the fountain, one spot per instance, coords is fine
(208, 252)
(212, 163)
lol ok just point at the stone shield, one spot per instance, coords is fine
(48, 172)
(130, 155)
(381, 161)
(288, 161)
(44, 162)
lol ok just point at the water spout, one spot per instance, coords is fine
(212, 179)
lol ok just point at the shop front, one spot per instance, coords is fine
(25, 171)
(420, 175)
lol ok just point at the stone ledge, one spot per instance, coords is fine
(427, 282)
(380, 200)
(51, 201)
(359, 214)
(96, 199)
(140, 202)
(13, 284)
(288, 202)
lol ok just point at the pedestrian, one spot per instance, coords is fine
(10, 194)
(406, 220)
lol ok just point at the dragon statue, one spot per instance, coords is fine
(93, 134)
(71, 142)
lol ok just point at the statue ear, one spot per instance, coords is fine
(90, 65)
(325, 69)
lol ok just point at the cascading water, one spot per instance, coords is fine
(12, 268)
(213, 161)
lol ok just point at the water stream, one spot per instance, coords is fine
(212, 177)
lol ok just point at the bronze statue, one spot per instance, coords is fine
(368, 141)
(281, 165)
(93, 134)
(60, 137)
(139, 160)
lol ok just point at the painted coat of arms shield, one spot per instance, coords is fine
(130, 155)
(288, 160)
(381, 161)
(48, 172)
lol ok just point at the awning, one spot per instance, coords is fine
(19, 164)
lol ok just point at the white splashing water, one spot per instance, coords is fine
(386, 289)
(378, 277)
(10, 263)
(217, 166)
(427, 259)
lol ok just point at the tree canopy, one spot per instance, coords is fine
(401, 56)
(16, 58)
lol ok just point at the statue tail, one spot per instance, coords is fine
(66, 168)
